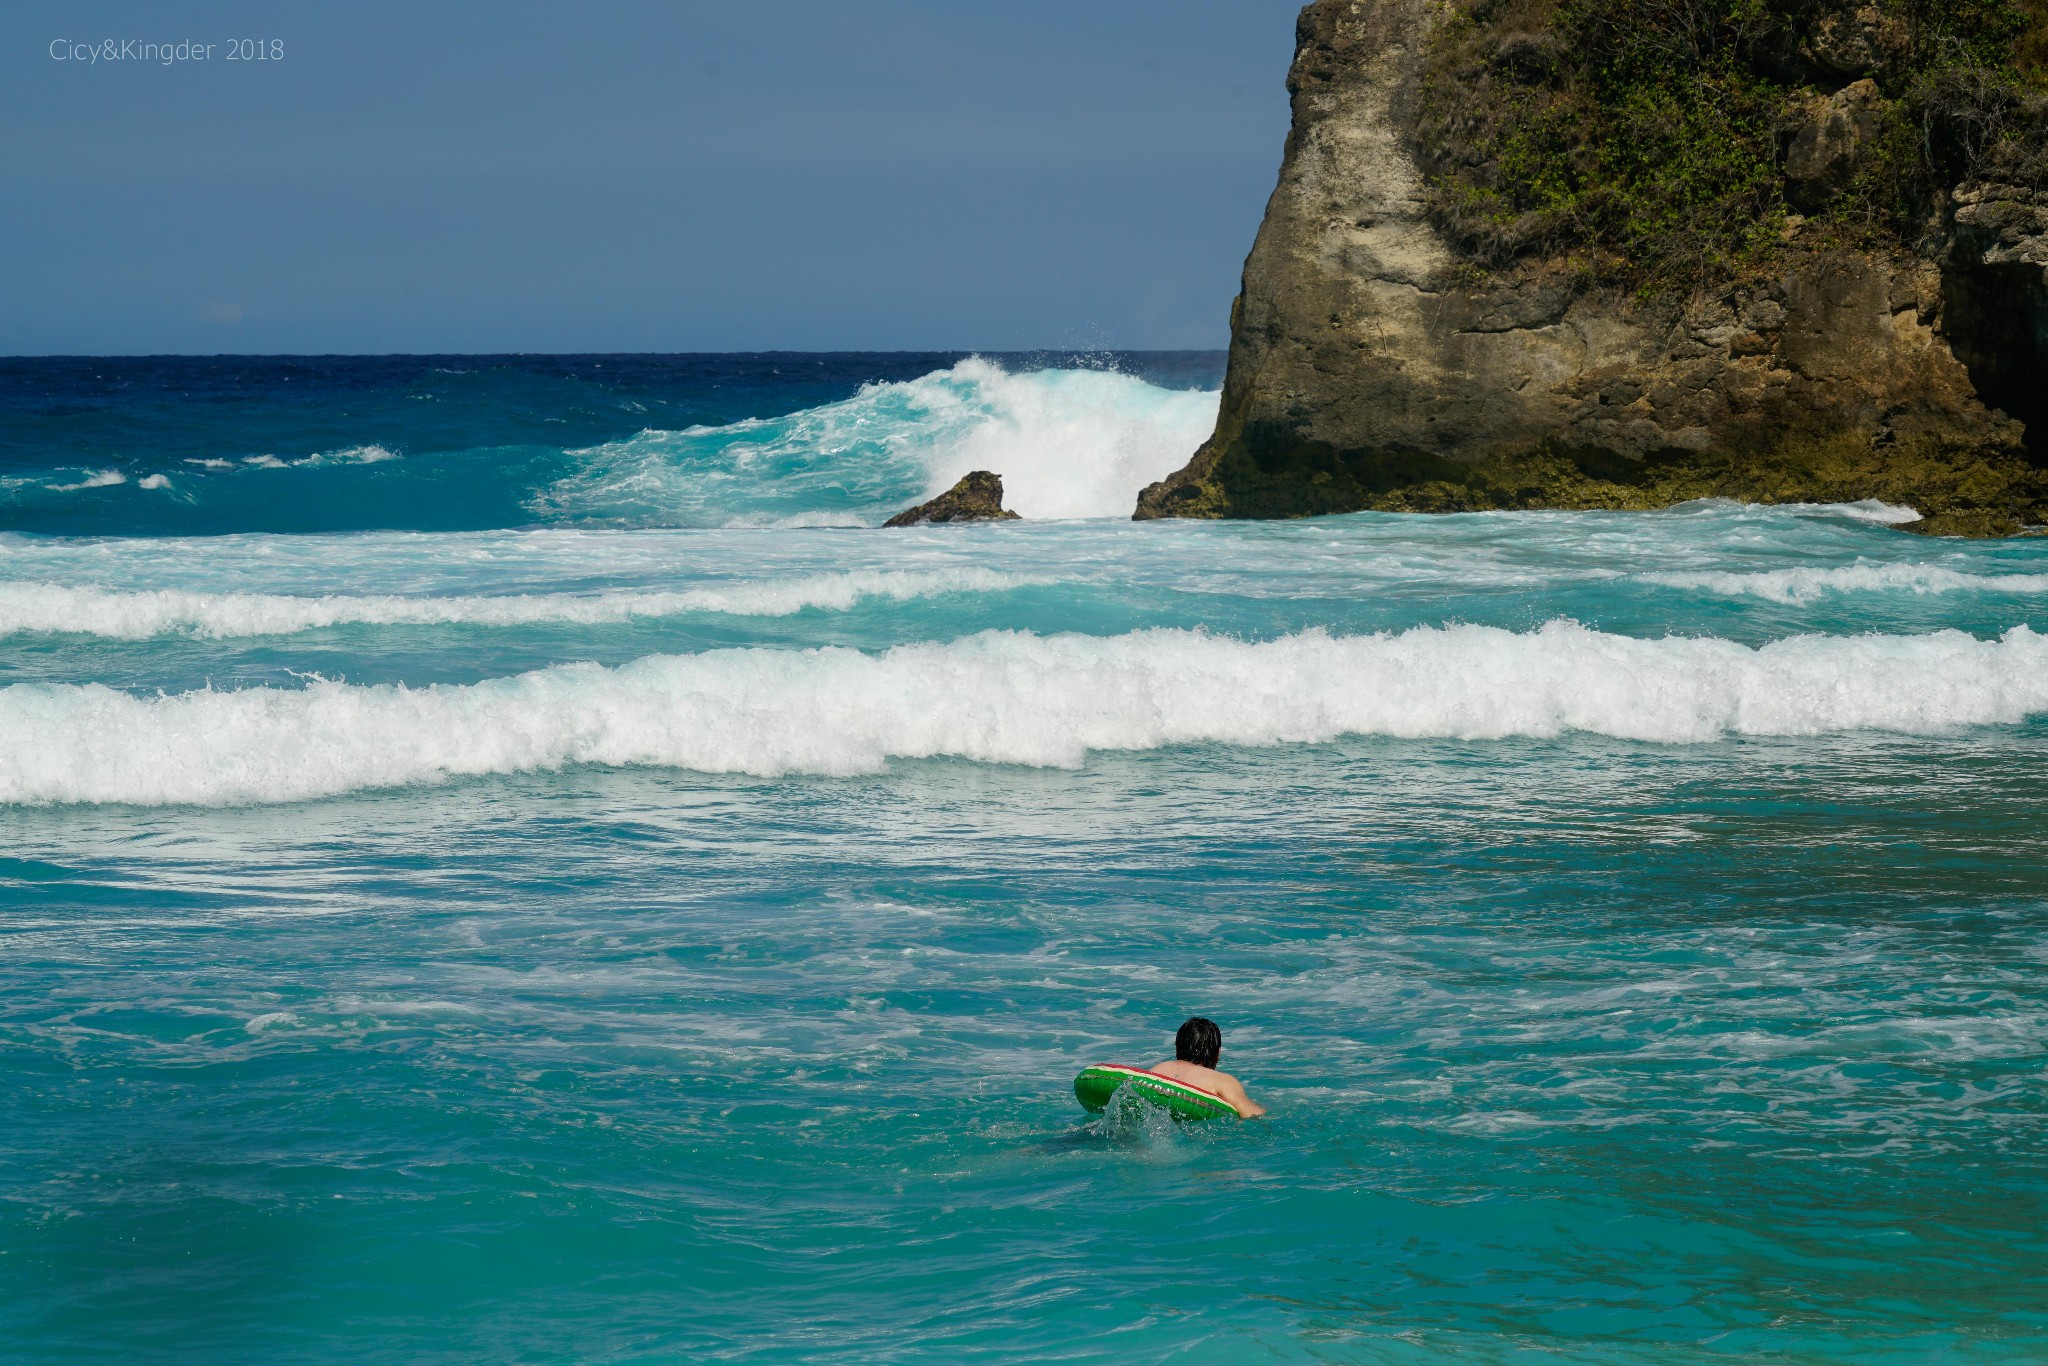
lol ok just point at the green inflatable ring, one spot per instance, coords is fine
(1094, 1087)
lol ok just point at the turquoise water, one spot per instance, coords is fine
(666, 924)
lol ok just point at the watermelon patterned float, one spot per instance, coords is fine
(1096, 1085)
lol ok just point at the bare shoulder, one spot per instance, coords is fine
(1227, 1086)
(1232, 1090)
(1194, 1074)
(1217, 1083)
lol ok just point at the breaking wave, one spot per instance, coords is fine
(353, 455)
(1795, 586)
(998, 697)
(1873, 510)
(140, 615)
(1068, 444)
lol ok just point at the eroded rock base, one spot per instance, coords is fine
(1959, 491)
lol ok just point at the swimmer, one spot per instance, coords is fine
(1195, 1050)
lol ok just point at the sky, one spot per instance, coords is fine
(634, 175)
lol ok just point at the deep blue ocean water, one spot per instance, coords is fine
(501, 860)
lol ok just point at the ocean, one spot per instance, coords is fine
(501, 859)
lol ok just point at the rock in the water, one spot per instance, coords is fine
(978, 497)
(1376, 365)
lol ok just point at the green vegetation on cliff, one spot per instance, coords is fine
(1625, 253)
(1671, 143)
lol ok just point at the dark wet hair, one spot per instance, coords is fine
(1199, 1042)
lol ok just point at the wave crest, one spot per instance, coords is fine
(143, 614)
(998, 697)
(1799, 586)
(1068, 444)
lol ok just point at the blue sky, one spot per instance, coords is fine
(639, 176)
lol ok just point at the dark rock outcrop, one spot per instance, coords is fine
(978, 497)
(1825, 141)
(1373, 365)
(1853, 41)
(1995, 297)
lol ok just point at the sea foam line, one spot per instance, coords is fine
(997, 697)
(147, 613)
(1796, 586)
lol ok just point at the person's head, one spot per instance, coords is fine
(1199, 1042)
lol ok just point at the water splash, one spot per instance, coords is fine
(1068, 444)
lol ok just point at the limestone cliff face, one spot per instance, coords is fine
(1372, 367)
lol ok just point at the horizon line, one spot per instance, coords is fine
(491, 355)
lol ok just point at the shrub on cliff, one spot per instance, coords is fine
(1670, 143)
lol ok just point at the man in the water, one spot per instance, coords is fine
(1195, 1050)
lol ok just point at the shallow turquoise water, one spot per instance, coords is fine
(1665, 986)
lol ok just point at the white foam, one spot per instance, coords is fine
(141, 615)
(1867, 510)
(1807, 585)
(96, 479)
(998, 697)
(354, 455)
(1067, 443)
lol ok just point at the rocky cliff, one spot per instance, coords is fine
(1434, 317)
